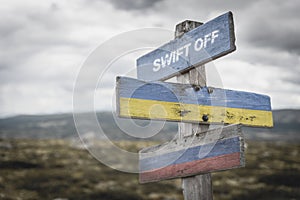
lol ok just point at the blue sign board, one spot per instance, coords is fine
(196, 47)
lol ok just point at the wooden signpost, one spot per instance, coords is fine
(197, 150)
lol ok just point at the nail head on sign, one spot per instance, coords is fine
(205, 118)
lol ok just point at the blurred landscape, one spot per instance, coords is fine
(40, 158)
(61, 126)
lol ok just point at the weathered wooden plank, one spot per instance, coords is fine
(196, 139)
(222, 150)
(187, 103)
(196, 47)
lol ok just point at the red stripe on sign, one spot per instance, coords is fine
(217, 163)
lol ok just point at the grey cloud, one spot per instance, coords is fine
(223, 5)
(30, 40)
(293, 79)
(266, 56)
(30, 32)
(134, 4)
(274, 25)
(54, 7)
(7, 29)
(279, 37)
(34, 26)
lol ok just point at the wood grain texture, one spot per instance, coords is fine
(197, 187)
(217, 150)
(191, 103)
(196, 47)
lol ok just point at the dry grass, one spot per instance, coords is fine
(50, 169)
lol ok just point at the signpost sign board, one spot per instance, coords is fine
(187, 103)
(222, 150)
(198, 46)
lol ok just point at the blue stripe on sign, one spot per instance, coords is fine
(172, 92)
(227, 146)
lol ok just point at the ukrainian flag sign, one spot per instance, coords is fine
(191, 103)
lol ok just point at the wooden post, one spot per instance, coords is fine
(197, 187)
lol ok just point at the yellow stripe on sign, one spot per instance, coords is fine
(174, 111)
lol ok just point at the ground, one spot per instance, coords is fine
(54, 169)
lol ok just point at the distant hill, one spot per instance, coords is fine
(63, 126)
(286, 127)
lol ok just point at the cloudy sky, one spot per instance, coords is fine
(45, 44)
